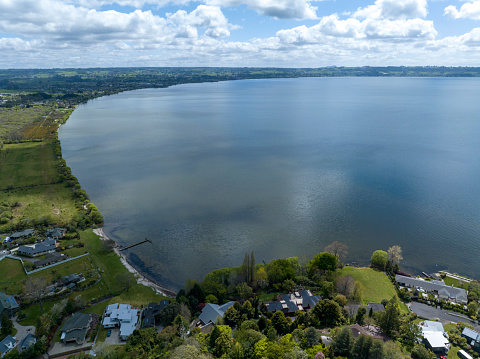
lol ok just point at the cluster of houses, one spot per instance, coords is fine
(291, 303)
(49, 245)
(436, 287)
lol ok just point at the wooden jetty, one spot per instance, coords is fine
(136, 244)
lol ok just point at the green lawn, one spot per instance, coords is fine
(27, 164)
(376, 286)
(12, 275)
(455, 282)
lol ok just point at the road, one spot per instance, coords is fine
(444, 316)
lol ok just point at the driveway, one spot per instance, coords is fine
(22, 331)
(444, 316)
(114, 338)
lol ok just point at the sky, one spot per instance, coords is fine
(264, 33)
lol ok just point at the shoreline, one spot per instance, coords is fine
(139, 276)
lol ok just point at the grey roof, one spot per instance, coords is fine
(151, 311)
(27, 342)
(37, 248)
(294, 302)
(55, 232)
(23, 234)
(471, 334)
(77, 335)
(443, 290)
(50, 258)
(77, 321)
(429, 325)
(7, 344)
(211, 312)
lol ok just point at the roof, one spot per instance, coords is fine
(50, 258)
(436, 339)
(459, 294)
(7, 302)
(77, 335)
(211, 312)
(55, 232)
(25, 233)
(151, 311)
(471, 334)
(294, 302)
(371, 330)
(7, 344)
(27, 342)
(77, 321)
(37, 248)
(431, 326)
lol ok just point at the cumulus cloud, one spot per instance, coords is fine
(469, 10)
(17, 44)
(281, 9)
(393, 10)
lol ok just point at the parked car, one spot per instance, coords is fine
(109, 332)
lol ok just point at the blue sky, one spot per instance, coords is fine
(283, 33)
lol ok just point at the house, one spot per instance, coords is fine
(438, 287)
(72, 279)
(473, 338)
(51, 258)
(75, 328)
(123, 316)
(293, 302)
(56, 233)
(24, 234)
(7, 344)
(26, 342)
(8, 305)
(47, 246)
(211, 312)
(435, 338)
(151, 311)
(371, 330)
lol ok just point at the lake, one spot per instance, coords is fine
(284, 167)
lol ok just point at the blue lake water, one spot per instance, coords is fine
(284, 167)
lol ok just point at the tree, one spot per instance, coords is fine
(420, 352)
(7, 326)
(182, 326)
(341, 300)
(279, 322)
(338, 249)
(379, 259)
(327, 312)
(279, 269)
(410, 333)
(361, 347)
(377, 351)
(344, 285)
(389, 320)
(244, 291)
(262, 278)
(342, 344)
(360, 314)
(127, 279)
(395, 255)
(323, 262)
(312, 336)
(473, 309)
(34, 289)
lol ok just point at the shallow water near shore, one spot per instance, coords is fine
(284, 167)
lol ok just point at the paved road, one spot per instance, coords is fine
(431, 313)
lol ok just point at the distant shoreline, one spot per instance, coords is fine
(140, 277)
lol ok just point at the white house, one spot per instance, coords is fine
(123, 316)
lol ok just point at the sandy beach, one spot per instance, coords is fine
(141, 279)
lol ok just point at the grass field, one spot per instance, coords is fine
(15, 119)
(376, 285)
(455, 282)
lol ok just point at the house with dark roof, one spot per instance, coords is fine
(23, 235)
(211, 312)
(37, 249)
(6, 345)
(291, 303)
(438, 287)
(473, 338)
(56, 233)
(8, 304)
(51, 258)
(26, 342)
(72, 279)
(151, 311)
(75, 328)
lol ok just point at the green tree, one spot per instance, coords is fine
(327, 312)
(420, 352)
(223, 344)
(395, 255)
(244, 291)
(232, 316)
(338, 249)
(361, 347)
(7, 326)
(377, 351)
(360, 314)
(473, 309)
(342, 344)
(389, 320)
(379, 259)
(410, 333)
(312, 336)
(279, 270)
(279, 322)
(323, 262)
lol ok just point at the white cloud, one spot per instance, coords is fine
(281, 9)
(469, 10)
(393, 10)
(17, 44)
